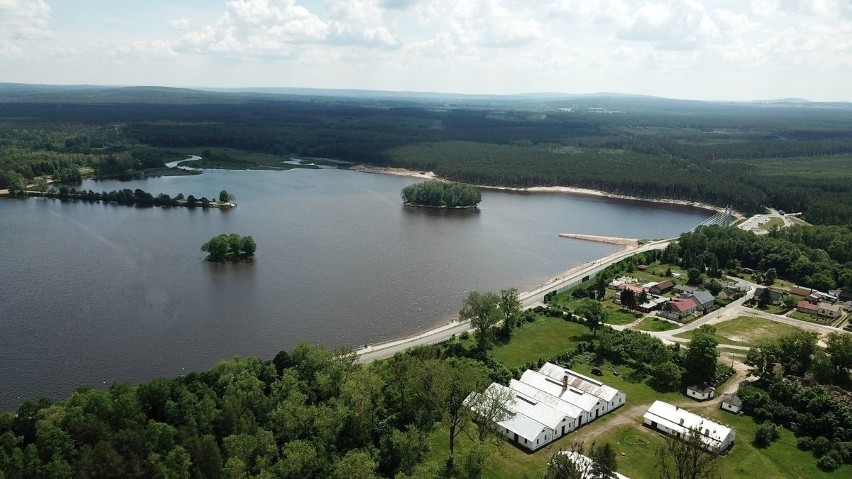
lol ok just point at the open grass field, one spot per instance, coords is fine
(651, 323)
(231, 158)
(747, 331)
(545, 337)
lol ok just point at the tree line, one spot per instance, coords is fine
(815, 256)
(441, 194)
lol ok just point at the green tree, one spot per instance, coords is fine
(481, 309)
(460, 377)
(248, 246)
(593, 313)
(796, 351)
(604, 464)
(225, 197)
(562, 466)
(693, 276)
(510, 309)
(762, 359)
(217, 248)
(766, 434)
(839, 349)
(356, 464)
(686, 459)
(667, 375)
(701, 355)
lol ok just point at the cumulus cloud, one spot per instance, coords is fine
(483, 23)
(672, 25)
(249, 26)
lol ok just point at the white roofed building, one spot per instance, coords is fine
(678, 422)
(542, 409)
(611, 397)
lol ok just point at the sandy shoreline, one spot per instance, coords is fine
(571, 190)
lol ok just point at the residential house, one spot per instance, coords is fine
(704, 299)
(652, 304)
(806, 306)
(829, 310)
(662, 287)
(775, 297)
(684, 289)
(679, 308)
(732, 403)
(800, 291)
(701, 392)
(678, 422)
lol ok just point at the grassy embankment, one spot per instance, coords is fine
(235, 159)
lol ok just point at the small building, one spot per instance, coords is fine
(679, 308)
(800, 291)
(829, 310)
(806, 306)
(678, 422)
(662, 287)
(585, 464)
(701, 392)
(775, 297)
(733, 289)
(635, 288)
(704, 299)
(652, 304)
(684, 289)
(732, 403)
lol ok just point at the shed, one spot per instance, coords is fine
(662, 287)
(732, 403)
(701, 392)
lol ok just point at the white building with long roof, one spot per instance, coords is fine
(542, 409)
(676, 421)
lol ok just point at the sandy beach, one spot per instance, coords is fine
(429, 175)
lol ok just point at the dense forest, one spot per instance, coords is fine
(795, 157)
(818, 257)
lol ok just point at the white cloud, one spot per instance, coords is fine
(587, 11)
(181, 24)
(25, 19)
(672, 25)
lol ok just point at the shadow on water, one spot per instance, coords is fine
(452, 214)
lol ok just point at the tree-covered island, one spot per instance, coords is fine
(229, 247)
(440, 194)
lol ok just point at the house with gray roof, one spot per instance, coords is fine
(704, 299)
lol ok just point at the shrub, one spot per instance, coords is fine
(830, 461)
(766, 434)
(805, 443)
(821, 446)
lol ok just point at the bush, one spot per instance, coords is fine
(766, 434)
(805, 443)
(821, 446)
(830, 461)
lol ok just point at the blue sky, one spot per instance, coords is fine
(699, 49)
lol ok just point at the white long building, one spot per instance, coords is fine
(542, 409)
(678, 422)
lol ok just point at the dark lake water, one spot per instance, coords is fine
(93, 293)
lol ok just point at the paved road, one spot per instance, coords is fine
(529, 299)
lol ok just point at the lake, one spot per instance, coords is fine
(93, 293)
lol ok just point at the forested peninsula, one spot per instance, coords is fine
(441, 194)
(791, 156)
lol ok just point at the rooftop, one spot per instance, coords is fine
(681, 421)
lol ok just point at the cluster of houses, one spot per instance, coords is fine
(813, 301)
(545, 405)
(687, 300)
(818, 303)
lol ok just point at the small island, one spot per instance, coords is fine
(229, 247)
(440, 194)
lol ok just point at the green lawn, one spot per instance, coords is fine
(545, 337)
(747, 331)
(811, 318)
(651, 323)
